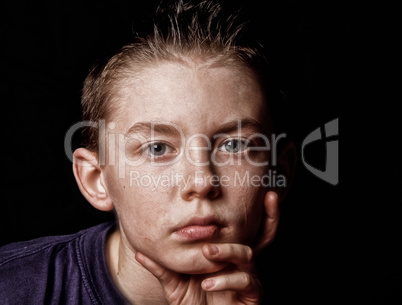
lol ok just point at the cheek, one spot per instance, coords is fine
(142, 208)
(139, 202)
(247, 210)
(143, 218)
(245, 197)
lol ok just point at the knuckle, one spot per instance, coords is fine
(245, 279)
(231, 249)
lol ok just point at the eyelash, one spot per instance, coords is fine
(165, 149)
(150, 149)
(243, 144)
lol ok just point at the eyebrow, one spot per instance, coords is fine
(145, 128)
(246, 123)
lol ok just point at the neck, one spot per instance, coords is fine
(137, 284)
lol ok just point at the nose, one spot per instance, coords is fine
(200, 181)
(201, 184)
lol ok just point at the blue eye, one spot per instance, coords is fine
(158, 149)
(233, 146)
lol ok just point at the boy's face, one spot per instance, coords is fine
(181, 132)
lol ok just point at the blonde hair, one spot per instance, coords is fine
(181, 31)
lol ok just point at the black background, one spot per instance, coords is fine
(334, 244)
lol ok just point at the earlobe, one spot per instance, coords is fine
(88, 175)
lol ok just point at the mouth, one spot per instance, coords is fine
(199, 228)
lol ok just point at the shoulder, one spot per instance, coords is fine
(39, 268)
(20, 251)
(42, 247)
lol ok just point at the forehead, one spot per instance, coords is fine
(189, 95)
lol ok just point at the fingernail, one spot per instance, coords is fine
(208, 284)
(213, 249)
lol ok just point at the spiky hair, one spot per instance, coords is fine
(181, 31)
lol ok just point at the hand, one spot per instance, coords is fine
(235, 284)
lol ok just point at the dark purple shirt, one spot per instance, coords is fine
(68, 269)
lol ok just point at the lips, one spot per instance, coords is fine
(199, 228)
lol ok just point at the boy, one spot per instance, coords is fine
(179, 148)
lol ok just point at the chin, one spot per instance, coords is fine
(192, 262)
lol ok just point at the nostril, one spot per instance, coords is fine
(199, 186)
(192, 194)
(214, 193)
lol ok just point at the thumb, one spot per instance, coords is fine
(270, 221)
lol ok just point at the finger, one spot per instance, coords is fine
(240, 282)
(270, 223)
(166, 277)
(234, 253)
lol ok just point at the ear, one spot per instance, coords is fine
(88, 175)
(286, 165)
(269, 222)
